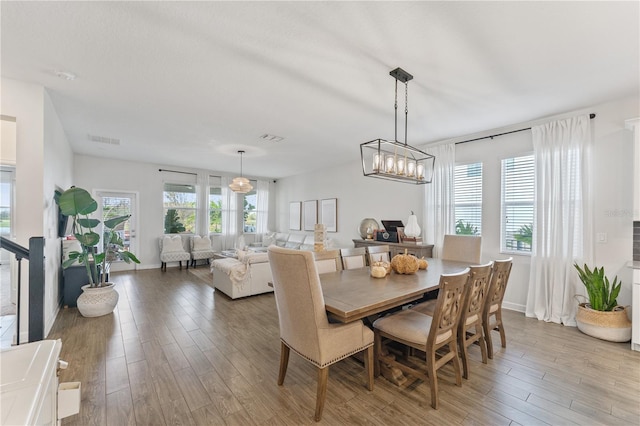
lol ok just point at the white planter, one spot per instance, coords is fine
(97, 301)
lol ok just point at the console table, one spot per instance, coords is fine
(418, 250)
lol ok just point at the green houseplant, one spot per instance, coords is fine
(78, 205)
(465, 228)
(602, 317)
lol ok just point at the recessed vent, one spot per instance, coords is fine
(270, 138)
(104, 139)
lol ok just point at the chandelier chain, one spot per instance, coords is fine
(406, 109)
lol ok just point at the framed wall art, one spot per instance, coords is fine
(329, 214)
(310, 214)
(295, 208)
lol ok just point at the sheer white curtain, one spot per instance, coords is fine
(562, 226)
(229, 215)
(262, 209)
(439, 213)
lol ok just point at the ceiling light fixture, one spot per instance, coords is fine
(240, 184)
(393, 160)
(66, 75)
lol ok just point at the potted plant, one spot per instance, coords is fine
(99, 296)
(602, 317)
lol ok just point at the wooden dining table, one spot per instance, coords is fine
(353, 294)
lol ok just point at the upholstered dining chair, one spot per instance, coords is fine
(435, 335)
(463, 248)
(378, 253)
(470, 327)
(328, 261)
(354, 258)
(492, 311)
(304, 327)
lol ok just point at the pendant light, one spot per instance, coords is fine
(393, 160)
(240, 184)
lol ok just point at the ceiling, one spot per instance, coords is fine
(190, 83)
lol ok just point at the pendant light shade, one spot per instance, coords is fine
(394, 160)
(240, 184)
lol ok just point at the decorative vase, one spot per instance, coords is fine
(613, 326)
(412, 229)
(97, 301)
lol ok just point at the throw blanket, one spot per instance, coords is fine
(236, 270)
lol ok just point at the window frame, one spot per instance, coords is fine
(194, 209)
(471, 203)
(245, 212)
(507, 230)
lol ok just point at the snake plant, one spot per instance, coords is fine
(602, 294)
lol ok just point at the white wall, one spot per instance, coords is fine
(94, 173)
(360, 197)
(58, 170)
(43, 161)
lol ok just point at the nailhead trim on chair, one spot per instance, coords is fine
(330, 362)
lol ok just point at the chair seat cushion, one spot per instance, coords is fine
(409, 326)
(174, 256)
(202, 254)
(427, 308)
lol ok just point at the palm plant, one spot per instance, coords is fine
(78, 204)
(465, 228)
(524, 234)
(602, 294)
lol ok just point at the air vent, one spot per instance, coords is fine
(270, 138)
(104, 139)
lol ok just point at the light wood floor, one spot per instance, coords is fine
(175, 352)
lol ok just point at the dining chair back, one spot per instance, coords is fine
(492, 310)
(354, 258)
(463, 248)
(435, 335)
(378, 253)
(470, 328)
(328, 261)
(304, 327)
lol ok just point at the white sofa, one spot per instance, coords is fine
(247, 275)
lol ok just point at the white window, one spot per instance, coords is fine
(215, 205)
(180, 208)
(517, 204)
(468, 198)
(250, 212)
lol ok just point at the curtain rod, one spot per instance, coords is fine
(591, 116)
(176, 171)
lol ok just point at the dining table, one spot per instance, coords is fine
(353, 294)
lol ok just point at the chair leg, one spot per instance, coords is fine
(503, 337)
(180, 263)
(323, 376)
(464, 353)
(284, 362)
(486, 327)
(453, 347)
(481, 343)
(433, 379)
(368, 366)
(163, 266)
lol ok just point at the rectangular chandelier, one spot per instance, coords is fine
(397, 161)
(393, 160)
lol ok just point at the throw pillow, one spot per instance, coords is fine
(172, 244)
(201, 243)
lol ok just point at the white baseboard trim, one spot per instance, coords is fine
(514, 307)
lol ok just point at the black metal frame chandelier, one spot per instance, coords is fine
(393, 160)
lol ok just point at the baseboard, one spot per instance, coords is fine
(513, 307)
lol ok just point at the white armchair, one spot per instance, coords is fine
(200, 249)
(172, 249)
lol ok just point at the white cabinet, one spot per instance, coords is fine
(29, 385)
